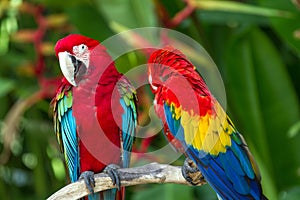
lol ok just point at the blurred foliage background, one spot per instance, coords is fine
(255, 44)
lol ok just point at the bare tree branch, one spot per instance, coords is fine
(150, 173)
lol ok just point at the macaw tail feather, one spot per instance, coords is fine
(109, 194)
(112, 194)
(121, 194)
(95, 196)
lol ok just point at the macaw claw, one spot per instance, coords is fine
(89, 180)
(112, 171)
(191, 173)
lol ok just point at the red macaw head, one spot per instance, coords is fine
(73, 52)
(166, 63)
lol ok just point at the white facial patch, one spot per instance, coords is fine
(82, 53)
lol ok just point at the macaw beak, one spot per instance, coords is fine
(70, 66)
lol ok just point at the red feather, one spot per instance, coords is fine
(98, 130)
(92, 107)
(172, 67)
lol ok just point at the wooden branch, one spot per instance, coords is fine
(150, 173)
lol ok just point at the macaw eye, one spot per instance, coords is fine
(80, 48)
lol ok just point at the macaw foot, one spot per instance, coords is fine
(191, 172)
(112, 171)
(89, 180)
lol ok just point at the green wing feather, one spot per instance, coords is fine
(65, 129)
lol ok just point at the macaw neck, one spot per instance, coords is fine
(107, 85)
(109, 75)
(101, 68)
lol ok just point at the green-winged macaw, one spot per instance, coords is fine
(94, 113)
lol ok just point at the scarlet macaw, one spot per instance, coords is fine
(91, 137)
(196, 124)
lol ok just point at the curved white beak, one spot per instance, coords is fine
(67, 67)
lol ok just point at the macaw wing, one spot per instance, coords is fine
(129, 118)
(65, 129)
(173, 123)
(219, 151)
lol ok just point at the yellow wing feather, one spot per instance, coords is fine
(210, 133)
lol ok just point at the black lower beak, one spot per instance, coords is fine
(79, 68)
(76, 63)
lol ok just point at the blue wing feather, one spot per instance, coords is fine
(173, 124)
(243, 158)
(65, 126)
(129, 119)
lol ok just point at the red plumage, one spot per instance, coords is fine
(95, 107)
(196, 124)
(194, 89)
(102, 139)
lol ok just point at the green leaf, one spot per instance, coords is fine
(286, 28)
(231, 19)
(236, 7)
(243, 99)
(6, 85)
(128, 13)
(291, 194)
(294, 130)
(205, 192)
(279, 106)
(89, 21)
